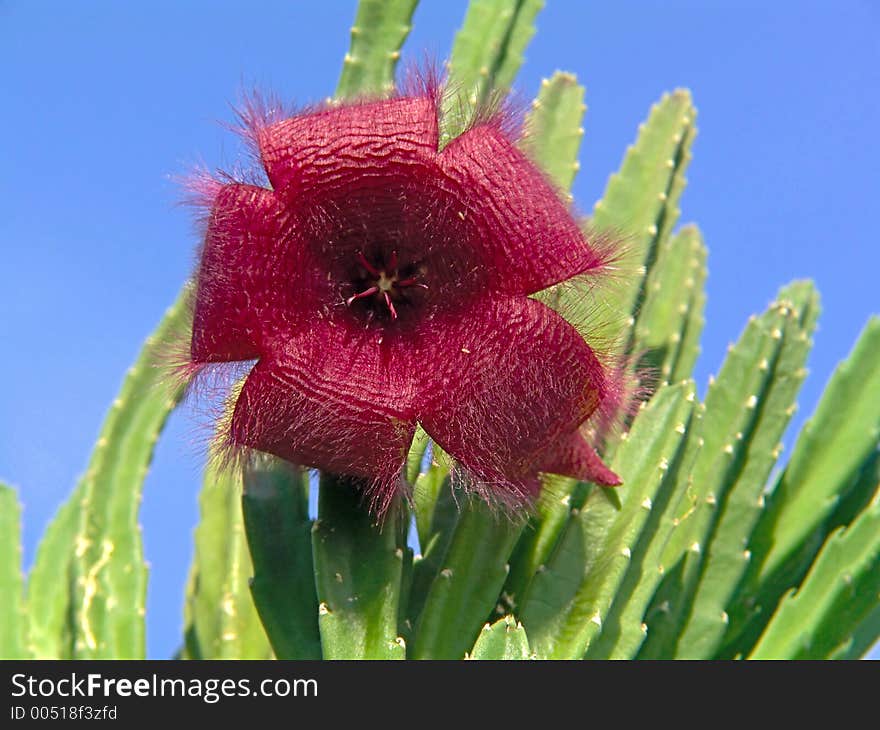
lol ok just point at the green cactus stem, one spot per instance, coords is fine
(379, 30)
(839, 591)
(740, 436)
(358, 573)
(829, 457)
(566, 603)
(465, 590)
(670, 321)
(220, 619)
(50, 585)
(109, 573)
(13, 624)
(505, 639)
(553, 130)
(641, 200)
(276, 518)
(725, 562)
(486, 55)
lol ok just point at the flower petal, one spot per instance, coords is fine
(572, 456)
(341, 146)
(253, 276)
(508, 379)
(330, 398)
(513, 219)
(364, 177)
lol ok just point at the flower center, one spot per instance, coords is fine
(382, 285)
(385, 282)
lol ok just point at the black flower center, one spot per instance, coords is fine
(381, 288)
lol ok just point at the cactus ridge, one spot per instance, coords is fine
(505, 639)
(380, 29)
(109, 576)
(826, 481)
(486, 55)
(13, 620)
(279, 533)
(567, 603)
(221, 621)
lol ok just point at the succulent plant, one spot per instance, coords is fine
(710, 547)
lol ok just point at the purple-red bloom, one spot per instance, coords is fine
(380, 283)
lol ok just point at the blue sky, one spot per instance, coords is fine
(107, 101)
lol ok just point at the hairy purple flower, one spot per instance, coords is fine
(380, 282)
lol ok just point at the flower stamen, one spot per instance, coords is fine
(372, 270)
(412, 281)
(390, 305)
(365, 293)
(384, 283)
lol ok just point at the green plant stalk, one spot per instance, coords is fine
(505, 639)
(436, 515)
(689, 344)
(109, 573)
(279, 532)
(559, 495)
(855, 498)
(727, 413)
(553, 130)
(738, 450)
(824, 464)
(862, 639)
(358, 572)
(726, 558)
(486, 55)
(566, 603)
(849, 617)
(444, 519)
(406, 591)
(429, 496)
(465, 590)
(641, 200)
(50, 585)
(13, 624)
(624, 630)
(671, 317)
(379, 30)
(841, 587)
(221, 621)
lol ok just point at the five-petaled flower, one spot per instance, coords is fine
(380, 282)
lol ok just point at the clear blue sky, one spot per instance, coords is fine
(107, 101)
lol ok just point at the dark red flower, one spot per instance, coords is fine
(380, 283)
